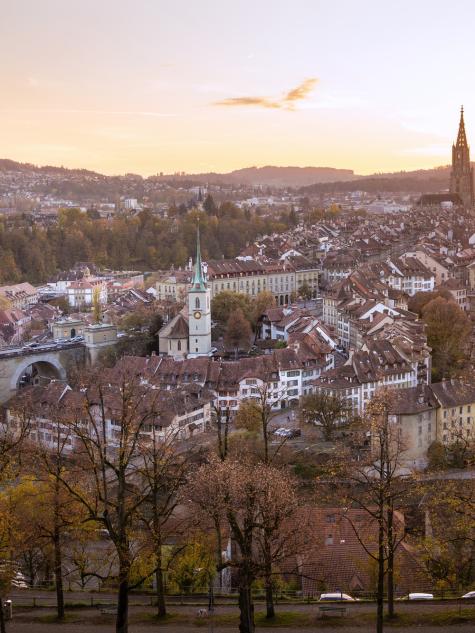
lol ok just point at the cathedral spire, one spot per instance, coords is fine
(198, 279)
(461, 136)
(461, 177)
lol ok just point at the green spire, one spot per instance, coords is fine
(198, 281)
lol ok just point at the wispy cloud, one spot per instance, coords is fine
(286, 102)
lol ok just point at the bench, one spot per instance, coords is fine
(108, 611)
(332, 609)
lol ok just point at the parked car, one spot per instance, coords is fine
(419, 596)
(337, 596)
(470, 594)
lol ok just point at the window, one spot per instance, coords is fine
(197, 303)
(179, 346)
(329, 539)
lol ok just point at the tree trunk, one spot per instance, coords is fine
(58, 574)
(161, 605)
(246, 609)
(3, 626)
(122, 619)
(380, 590)
(270, 610)
(390, 571)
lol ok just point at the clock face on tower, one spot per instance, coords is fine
(197, 315)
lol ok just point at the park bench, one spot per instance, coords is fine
(332, 608)
(108, 611)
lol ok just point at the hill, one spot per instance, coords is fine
(306, 179)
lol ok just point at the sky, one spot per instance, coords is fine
(149, 86)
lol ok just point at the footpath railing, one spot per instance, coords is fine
(40, 597)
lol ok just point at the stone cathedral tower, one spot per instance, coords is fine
(461, 177)
(199, 310)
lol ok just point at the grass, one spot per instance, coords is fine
(51, 618)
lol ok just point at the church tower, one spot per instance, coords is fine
(199, 310)
(461, 177)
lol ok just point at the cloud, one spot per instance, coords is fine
(286, 102)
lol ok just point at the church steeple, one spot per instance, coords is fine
(461, 136)
(199, 309)
(198, 282)
(461, 177)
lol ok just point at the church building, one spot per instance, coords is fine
(189, 333)
(461, 177)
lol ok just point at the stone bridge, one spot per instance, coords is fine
(22, 366)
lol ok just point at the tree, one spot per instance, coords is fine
(325, 410)
(377, 485)
(447, 329)
(248, 416)
(226, 303)
(96, 304)
(238, 332)
(262, 302)
(13, 431)
(163, 472)
(109, 421)
(209, 205)
(305, 292)
(193, 569)
(448, 545)
(418, 302)
(250, 500)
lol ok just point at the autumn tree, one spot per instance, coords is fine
(262, 302)
(238, 332)
(109, 421)
(250, 500)
(14, 429)
(379, 485)
(248, 416)
(448, 544)
(447, 329)
(327, 411)
(419, 300)
(305, 291)
(96, 304)
(225, 303)
(163, 471)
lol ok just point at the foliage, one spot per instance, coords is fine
(447, 329)
(327, 411)
(248, 416)
(193, 569)
(125, 242)
(238, 332)
(225, 303)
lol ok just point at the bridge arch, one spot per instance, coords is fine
(47, 366)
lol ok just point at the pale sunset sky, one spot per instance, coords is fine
(213, 85)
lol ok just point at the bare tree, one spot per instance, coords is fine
(253, 501)
(378, 484)
(163, 471)
(325, 410)
(109, 423)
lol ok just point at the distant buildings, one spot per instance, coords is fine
(19, 295)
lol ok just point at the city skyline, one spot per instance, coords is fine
(148, 87)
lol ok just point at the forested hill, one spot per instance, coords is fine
(142, 242)
(306, 179)
(423, 180)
